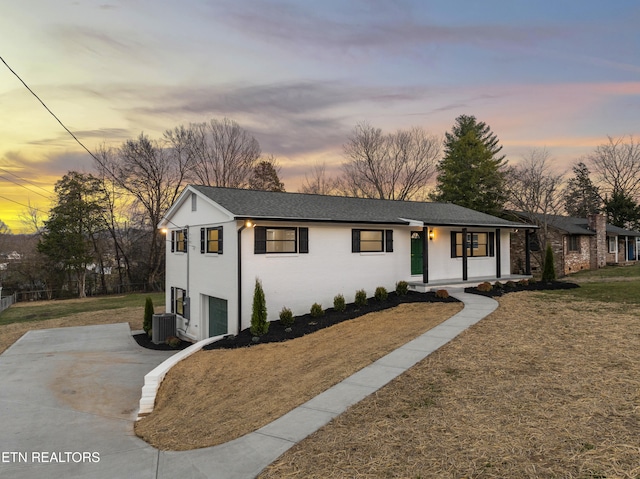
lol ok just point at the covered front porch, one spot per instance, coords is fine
(459, 285)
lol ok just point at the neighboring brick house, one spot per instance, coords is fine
(577, 243)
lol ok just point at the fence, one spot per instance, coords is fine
(6, 302)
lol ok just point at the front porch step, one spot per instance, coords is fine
(453, 286)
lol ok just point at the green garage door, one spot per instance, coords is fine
(217, 316)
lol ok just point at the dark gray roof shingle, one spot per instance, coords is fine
(576, 226)
(299, 206)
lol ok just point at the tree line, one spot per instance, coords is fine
(106, 221)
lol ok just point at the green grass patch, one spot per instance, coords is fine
(625, 292)
(608, 272)
(61, 308)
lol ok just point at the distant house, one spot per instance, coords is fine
(309, 248)
(577, 243)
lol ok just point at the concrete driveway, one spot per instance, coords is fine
(68, 399)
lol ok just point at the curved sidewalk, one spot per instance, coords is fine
(248, 455)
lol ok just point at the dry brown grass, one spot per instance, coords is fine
(215, 396)
(542, 388)
(10, 333)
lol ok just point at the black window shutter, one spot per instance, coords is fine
(389, 240)
(186, 239)
(492, 241)
(220, 240)
(172, 299)
(203, 239)
(453, 244)
(173, 241)
(303, 234)
(260, 240)
(355, 241)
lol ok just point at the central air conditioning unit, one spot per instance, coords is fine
(162, 327)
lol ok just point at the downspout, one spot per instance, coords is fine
(244, 225)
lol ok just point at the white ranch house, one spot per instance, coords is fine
(309, 248)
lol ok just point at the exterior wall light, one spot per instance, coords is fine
(431, 235)
(248, 224)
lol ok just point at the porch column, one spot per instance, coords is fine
(464, 254)
(527, 252)
(425, 254)
(497, 251)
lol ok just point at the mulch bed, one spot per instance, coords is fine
(305, 324)
(144, 340)
(530, 286)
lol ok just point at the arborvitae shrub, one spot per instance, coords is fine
(381, 293)
(549, 271)
(402, 288)
(316, 310)
(286, 317)
(147, 324)
(361, 297)
(259, 323)
(485, 287)
(442, 293)
(339, 303)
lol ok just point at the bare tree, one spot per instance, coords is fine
(394, 166)
(318, 183)
(32, 219)
(536, 191)
(617, 166)
(223, 153)
(154, 176)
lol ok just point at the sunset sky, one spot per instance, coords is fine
(299, 75)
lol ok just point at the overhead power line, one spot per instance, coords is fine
(22, 204)
(25, 180)
(22, 186)
(52, 113)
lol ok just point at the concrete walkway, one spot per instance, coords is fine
(124, 455)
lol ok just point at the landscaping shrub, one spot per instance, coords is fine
(485, 287)
(381, 293)
(510, 285)
(442, 294)
(148, 316)
(173, 341)
(286, 317)
(523, 282)
(361, 297)
(259, 323)
(498, 285)
(402, 288)
(339, 303)
(316, 310)
(549, 271)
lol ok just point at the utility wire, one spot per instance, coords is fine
(22, 186)
(52, 113)
(22, 204)
(24, 179)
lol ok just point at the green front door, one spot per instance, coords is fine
(416, 252)
(217, 316)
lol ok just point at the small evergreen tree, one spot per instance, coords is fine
(549, 270)
(148, 316)
(259, 323)
(581, 196)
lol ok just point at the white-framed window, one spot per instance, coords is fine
(281, 239)
(613, 244)
(211, 240)
(179, 241)
(371, 241)
(478, 244)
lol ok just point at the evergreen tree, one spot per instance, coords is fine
(68, 239)
(259, 323)
(622, 210)
(265, 177)
(549, 270)
(581, 196)
(472, 171)
(147, 324)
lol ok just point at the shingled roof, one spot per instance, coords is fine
(575, 226)
(252, 204)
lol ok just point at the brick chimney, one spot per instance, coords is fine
(598, 243)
